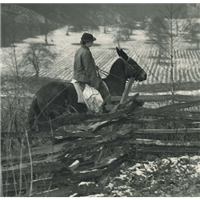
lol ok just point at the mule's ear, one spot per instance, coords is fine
(118, 52)
(123, 55)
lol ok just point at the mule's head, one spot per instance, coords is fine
(131, 67)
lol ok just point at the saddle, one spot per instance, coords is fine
(89, 96)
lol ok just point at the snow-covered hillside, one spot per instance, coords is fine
(186, 67)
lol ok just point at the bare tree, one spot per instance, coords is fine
(14, 113)
(193, 31)
(162, 31)
(127, 29)
(123, 32)
(118, 37)
(38, 56)
(47, 10)
(158, 30)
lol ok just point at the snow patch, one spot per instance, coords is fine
(111, 160)
(180, 92)
(73, 195)
(96, 195)
(88, 171)
(74, 164)
(85, 183)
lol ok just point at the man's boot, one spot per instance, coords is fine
(108, 104)
(106, 97)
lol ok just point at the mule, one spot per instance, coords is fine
(56, 98)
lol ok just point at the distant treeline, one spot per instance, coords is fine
(136, 12)
(20, 21)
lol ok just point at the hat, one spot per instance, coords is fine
(86, 37)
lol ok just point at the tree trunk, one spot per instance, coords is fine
(176, 27)
(37, 74)
(105, 30)
(67, 33)
(37, 70)
(46, 30)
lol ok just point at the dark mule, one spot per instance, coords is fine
(57, 98)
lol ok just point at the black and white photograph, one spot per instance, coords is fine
(100, 99)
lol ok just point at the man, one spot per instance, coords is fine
(85, 70)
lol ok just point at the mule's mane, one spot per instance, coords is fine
(116, 70)
(116, 78)
(116, 64)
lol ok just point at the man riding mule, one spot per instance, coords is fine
(85, 69)
(57, 98)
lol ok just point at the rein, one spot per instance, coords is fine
(126, 68)
(106, 73)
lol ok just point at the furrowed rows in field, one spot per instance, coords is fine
(181, 65)
(197, 72)
(62, 67)
(104, 59)
(186, 64)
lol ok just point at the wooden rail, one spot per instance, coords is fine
(88, 154)
(161, 98)
(168, 131)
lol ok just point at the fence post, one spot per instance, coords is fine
(126, 91)
(124, 97)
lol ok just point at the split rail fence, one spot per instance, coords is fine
(97, 148)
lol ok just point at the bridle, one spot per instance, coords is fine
(127, 65)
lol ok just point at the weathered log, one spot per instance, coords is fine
(84, 144)
(39, 168)
(95, 140)
(46, 134)
(168, 131)
(121, 105)
(165, 110)
(158, 121)
(45, 150)
(161, 98)
(179, 106)
(62, 191)
(181, 118)
(68, 146)
(103, 139)
(82, 118)
(109, 164)
(85, 175)
(164, 143)
(86, 147)
(167, 149)
(126, 91)
(85, 118)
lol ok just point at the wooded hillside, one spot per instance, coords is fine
(20, 21)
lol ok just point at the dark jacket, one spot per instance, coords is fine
(85, 68)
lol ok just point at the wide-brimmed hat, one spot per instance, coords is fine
(87, 37)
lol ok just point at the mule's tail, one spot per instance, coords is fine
(34, 111)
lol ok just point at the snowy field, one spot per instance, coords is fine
(186, 68)
(141, 178)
